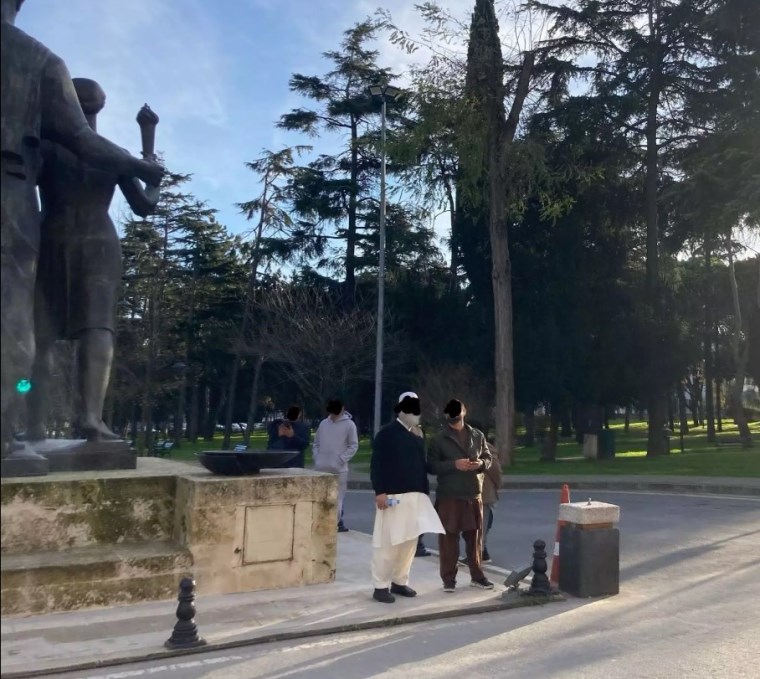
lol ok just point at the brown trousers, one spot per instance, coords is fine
(465, 518)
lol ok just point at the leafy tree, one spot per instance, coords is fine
(651, 55)
(274, 238)
(176, 308)
(331, 190)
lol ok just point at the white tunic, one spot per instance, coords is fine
(410, 518)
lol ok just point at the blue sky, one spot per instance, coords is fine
(215, 72)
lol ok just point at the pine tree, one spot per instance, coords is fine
(332, 188)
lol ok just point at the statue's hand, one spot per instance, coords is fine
(150, 172)
(146, 116)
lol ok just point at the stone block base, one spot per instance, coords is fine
(589, 561)
(272, 530)
(103, 538)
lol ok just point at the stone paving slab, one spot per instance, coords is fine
(33, 646)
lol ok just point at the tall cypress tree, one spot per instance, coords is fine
(485, 142)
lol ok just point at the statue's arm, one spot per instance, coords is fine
(143, 201)
(64, 122)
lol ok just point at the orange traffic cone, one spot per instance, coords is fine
(564, 498)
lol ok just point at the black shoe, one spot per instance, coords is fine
(482, 583)
(422, 551)
(342, 528)
(463, 561)
(383, 596)
(449, 587)
(486, 557)
(402, 590)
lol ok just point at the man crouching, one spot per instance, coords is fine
(404, 511)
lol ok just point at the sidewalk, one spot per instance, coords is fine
(717, 485)
(82, 640)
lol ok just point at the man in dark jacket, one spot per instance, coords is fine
(403, 508)
(458, 456)
(292, 433)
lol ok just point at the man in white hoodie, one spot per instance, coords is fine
(335, 443)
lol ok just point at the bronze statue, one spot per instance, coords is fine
(80, 268)
(38, 102)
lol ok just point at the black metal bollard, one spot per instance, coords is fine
(185, 633)
(540, 583)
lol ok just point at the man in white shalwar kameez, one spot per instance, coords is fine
(403, 508)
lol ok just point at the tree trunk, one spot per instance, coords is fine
(231, 398)
(133, 424)
(504, 369)
(740, 350)
(254, 400)
(567, 426)
(695, 412)
(350, 283)
(718, 406)
(671, 415)
(501, 134)
(212, 413)
(740, 416)
(453, 245)
(657, 395)
(682, 416)
(530, 428)
(549, 447)
(581, 417)
(241, 339)
(627, 425)
(707, 347)
(147, 405)
(192, 424)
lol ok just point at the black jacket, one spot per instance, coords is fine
(398, 461)
(443, 452)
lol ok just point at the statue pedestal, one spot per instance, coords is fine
(24, 461)
(79, 455)
(265, 531)
(106, 538)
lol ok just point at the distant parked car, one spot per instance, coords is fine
(236, 428)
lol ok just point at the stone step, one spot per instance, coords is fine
(92, 576)
(73, 510)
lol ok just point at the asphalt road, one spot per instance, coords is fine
(689, 607)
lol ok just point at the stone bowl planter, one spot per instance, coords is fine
(231, 463)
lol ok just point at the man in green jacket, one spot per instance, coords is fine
(458, 455)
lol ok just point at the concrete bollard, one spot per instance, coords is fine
(185, 633)
(589, 549)
(540, 583)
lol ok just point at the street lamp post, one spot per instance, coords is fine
(384, 92)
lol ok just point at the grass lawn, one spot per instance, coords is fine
(698, 458)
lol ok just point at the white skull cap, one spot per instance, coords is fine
(410, 394)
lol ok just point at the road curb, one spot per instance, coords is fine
(500, 605)
(660, 487)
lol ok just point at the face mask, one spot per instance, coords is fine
(455, 420)
(409, 419)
